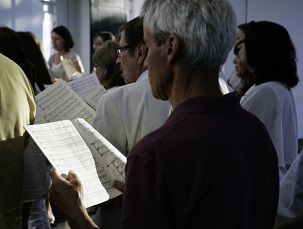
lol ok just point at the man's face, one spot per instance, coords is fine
(159, 70)
(127, 62)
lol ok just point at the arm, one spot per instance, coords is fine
(78, 66)
(66, 194)
(78, 63)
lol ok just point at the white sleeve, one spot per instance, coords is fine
(291, 191)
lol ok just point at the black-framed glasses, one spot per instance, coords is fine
(236, 48)
(119, 50)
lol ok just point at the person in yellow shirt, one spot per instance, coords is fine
(17, 109)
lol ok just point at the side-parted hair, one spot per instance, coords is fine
(245, 27)
(207, 29)
(271, 53)
(105, 57)
(105, 36)
(63, 32)
(133, 31)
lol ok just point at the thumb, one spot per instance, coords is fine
(118, 185)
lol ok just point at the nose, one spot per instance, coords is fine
(235, 60)
(118, 61)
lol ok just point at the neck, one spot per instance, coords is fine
(187, 84)
(61, 52)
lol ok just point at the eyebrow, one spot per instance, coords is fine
(236, 48)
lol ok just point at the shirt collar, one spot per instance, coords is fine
(143, 76)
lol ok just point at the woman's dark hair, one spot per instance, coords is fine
(35, 55)
(245, 27)
(105, 36)
(63, 32)
(271, 53)
(11, 46)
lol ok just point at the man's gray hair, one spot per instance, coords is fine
(206, 28)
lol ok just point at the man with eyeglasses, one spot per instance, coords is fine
(126, 114)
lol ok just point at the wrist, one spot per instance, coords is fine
(78, 218)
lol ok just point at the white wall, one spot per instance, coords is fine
(22, 15)
(74, 14)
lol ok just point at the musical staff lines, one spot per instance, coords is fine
(93, 98)
(59, 102)
(110, 163)
(66, 150)
(84, 85)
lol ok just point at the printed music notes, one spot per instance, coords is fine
(60, 102)
(110, 163)
(93, 98)
(66, 150)
(76, 145)
(84, 85)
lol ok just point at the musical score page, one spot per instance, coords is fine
(84, 85)
(93, 98)
(110, 163)
(59, 102)
(66, 150)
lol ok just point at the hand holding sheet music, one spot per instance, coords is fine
(75, 145)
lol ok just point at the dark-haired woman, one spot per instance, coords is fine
(62, 41)
(270, 56)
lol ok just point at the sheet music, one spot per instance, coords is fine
(110, 163)
(66, 150)
(60, 102)
(93, 98)
(84, 85)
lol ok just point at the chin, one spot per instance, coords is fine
(160, 96)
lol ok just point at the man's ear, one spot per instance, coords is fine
(173, 45)
(142, 53)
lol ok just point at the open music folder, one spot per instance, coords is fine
(76, 145)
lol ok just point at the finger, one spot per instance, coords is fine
(55, 175)
(59, 184)
(118, 185)
(72, 176)
(64, 175)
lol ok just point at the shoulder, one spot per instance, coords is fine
(130, 90)
(270, 87)
(72, 55)
(51, 58)
(266, 91)
(150, 145)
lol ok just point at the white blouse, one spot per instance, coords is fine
(274, 105)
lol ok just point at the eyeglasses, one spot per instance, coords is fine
(236, 48)
(119, 50)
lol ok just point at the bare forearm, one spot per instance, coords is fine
(79, 219)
